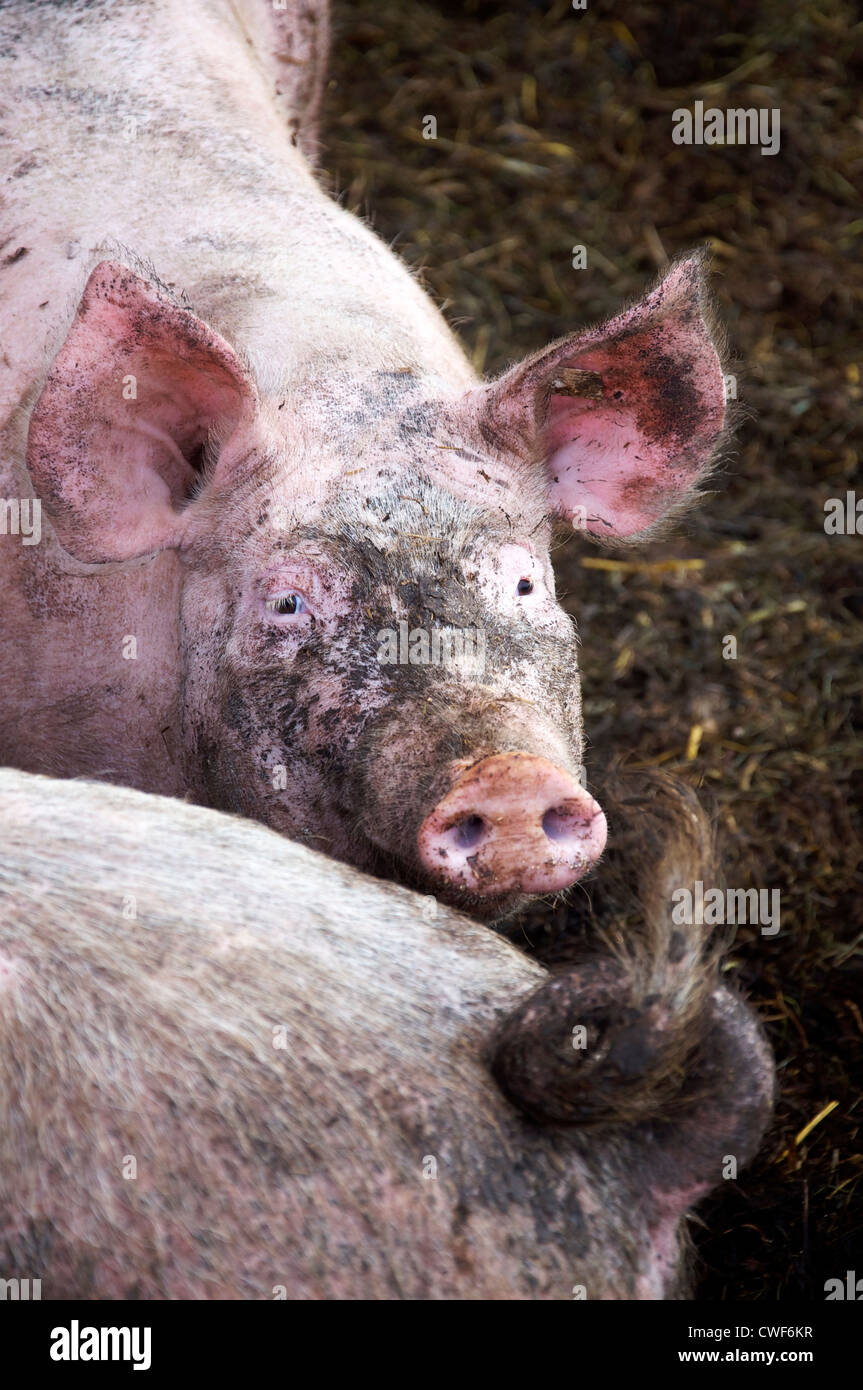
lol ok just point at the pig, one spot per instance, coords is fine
(232, 1067)
(267, 480)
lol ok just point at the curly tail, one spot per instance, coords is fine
(639, 1029)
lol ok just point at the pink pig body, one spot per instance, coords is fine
(258, 447)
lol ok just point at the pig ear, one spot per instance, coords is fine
(131, 397)
(626, 416)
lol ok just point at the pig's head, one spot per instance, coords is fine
(373, 657)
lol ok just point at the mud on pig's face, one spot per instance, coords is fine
(367, 652)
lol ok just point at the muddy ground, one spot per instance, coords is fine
(554, 130)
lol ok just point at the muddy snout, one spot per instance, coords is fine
(512, 823)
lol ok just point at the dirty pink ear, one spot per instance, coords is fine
(626, 416)
(130, 398)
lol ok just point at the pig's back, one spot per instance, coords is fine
(140, 126)
(290, 1053)
(155, 133)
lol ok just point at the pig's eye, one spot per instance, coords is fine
(287, 605)
(524, 586)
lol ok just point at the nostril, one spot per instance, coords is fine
(512, 823)
(562, 823)
(467, 832)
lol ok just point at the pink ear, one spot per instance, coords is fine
(626, 415)
(135, 390)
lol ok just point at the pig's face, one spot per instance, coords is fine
(371, 637)
(374, 658)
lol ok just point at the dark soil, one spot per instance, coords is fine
(554, 129)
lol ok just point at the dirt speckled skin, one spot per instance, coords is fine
(302, 422)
